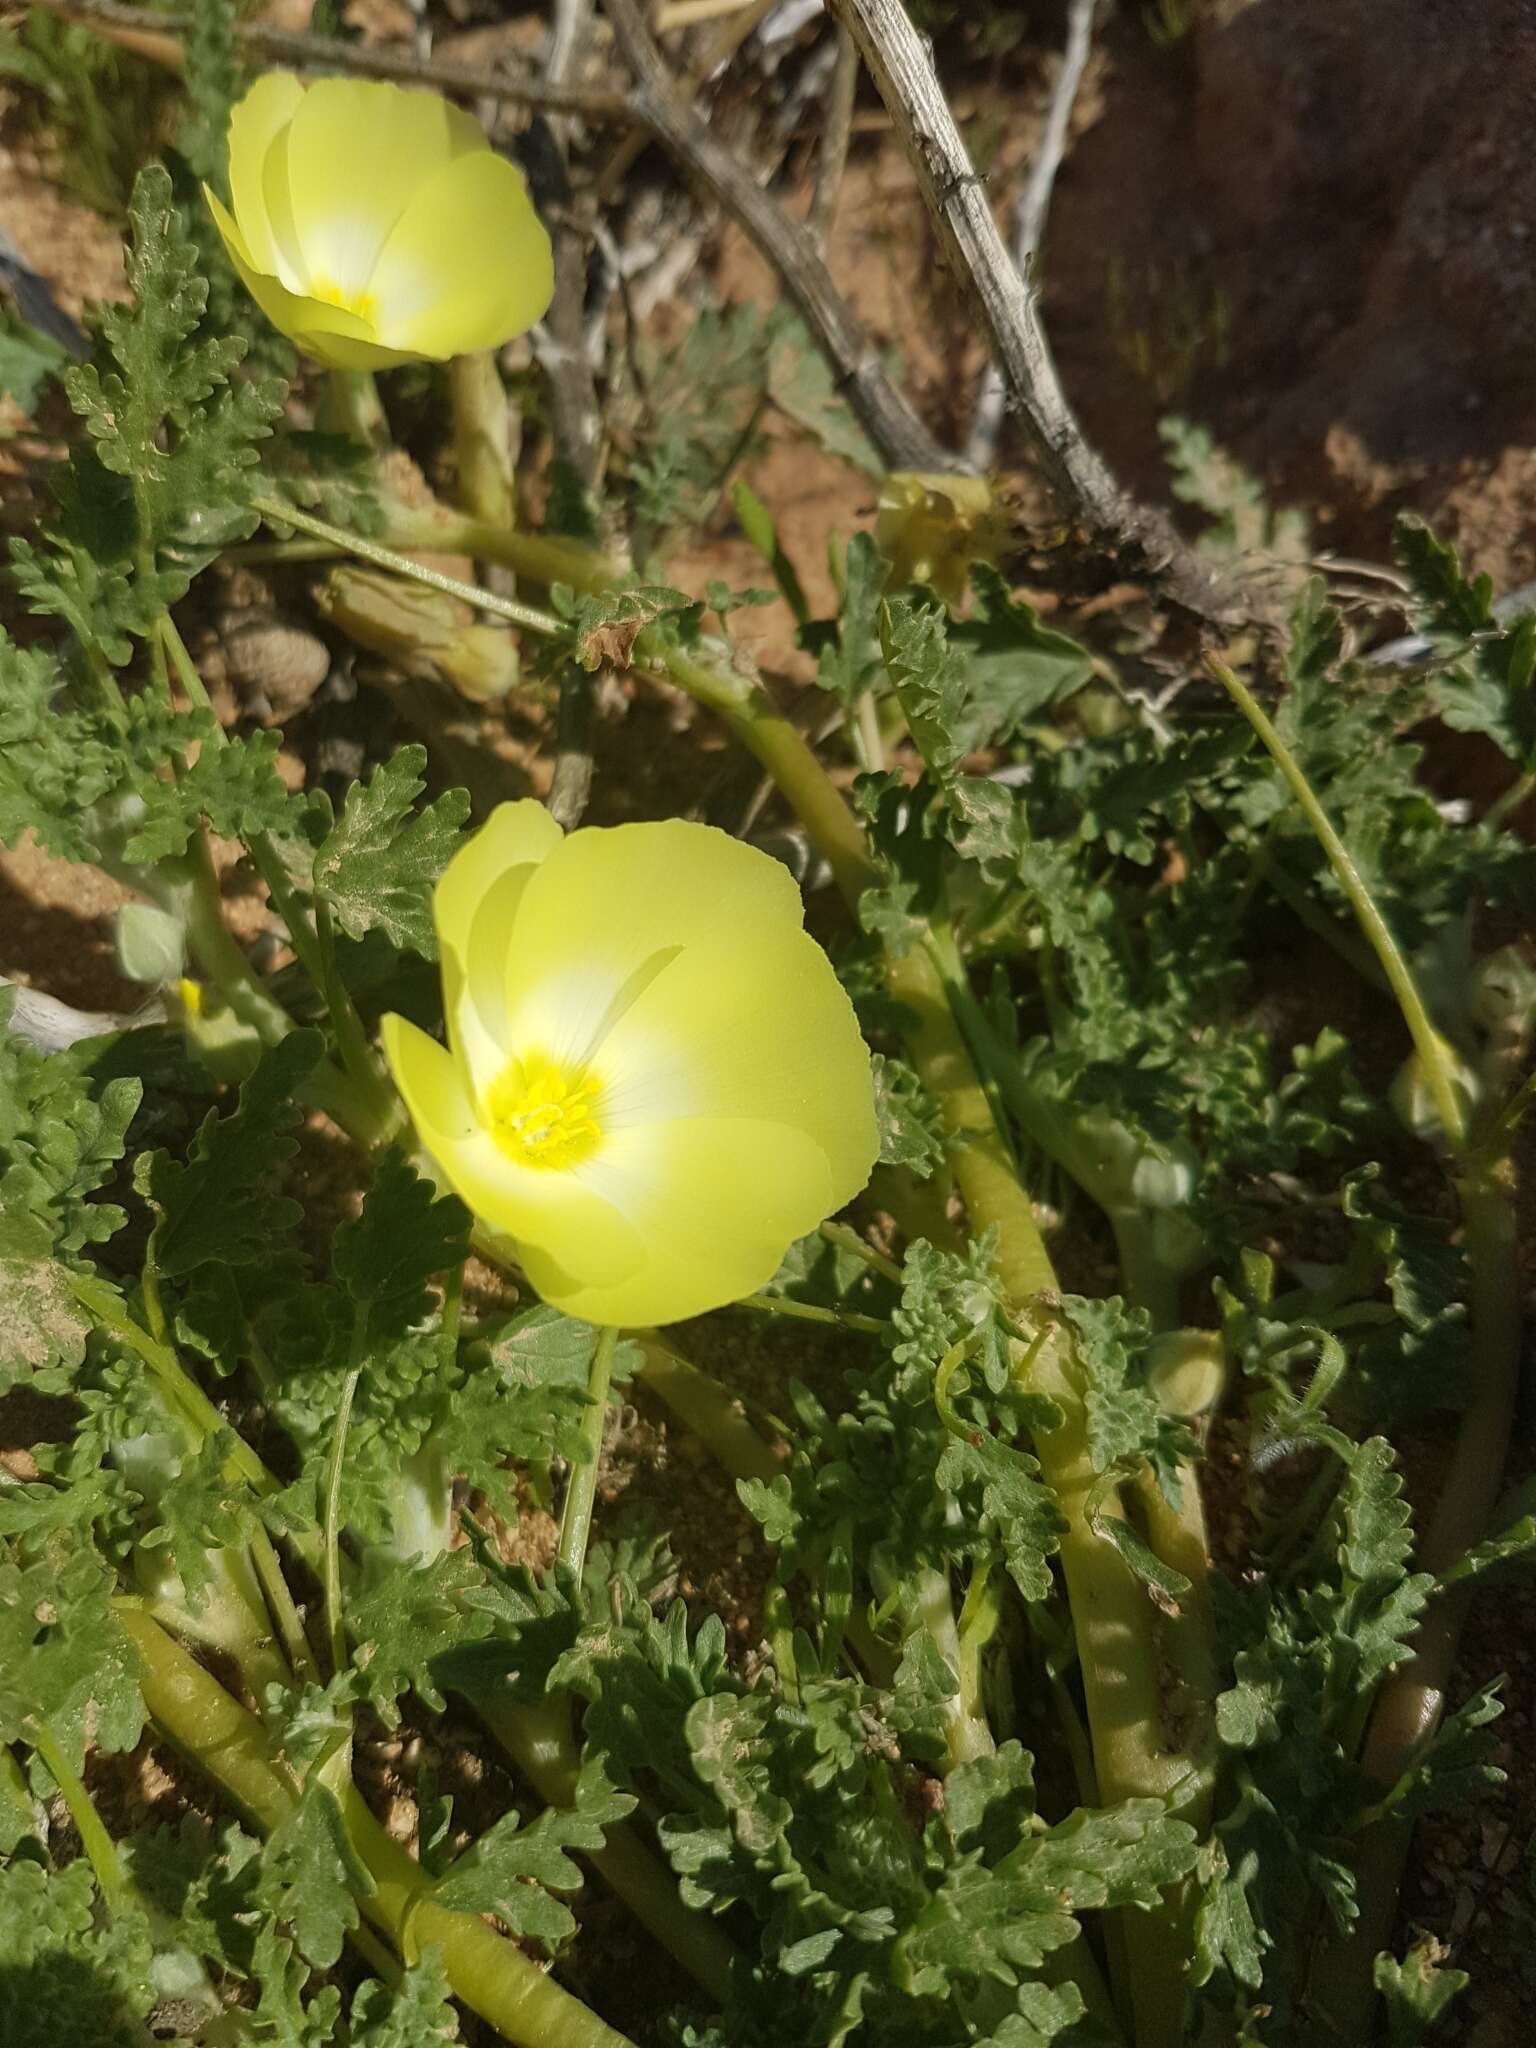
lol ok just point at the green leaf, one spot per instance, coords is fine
(312, 1877)
(1485, 678)
(1014, 667)
(403, 1623)
(28, 358)
(235, 787)
(417, 2013)
(163, 476)
(848, 655)
(60, 1139)
(800, 382)
(928, 678)
(1244, 526)
(756, 522)
(281, 2018)
(375, 870)
(1046, 2013)
(215, 80)
(64, 1659)
(73, 1977)
(908, 1119)
(511, 1870)
(1514, 1544)
(42, 1325)
(1127, 1426)
(406, 1235)
(220, 1205)
(1417, 1991)
(1382, 1600)
(198, 1514)
(1455, 1768)
(989, 1924)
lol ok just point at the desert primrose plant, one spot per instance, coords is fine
(1007, 1759)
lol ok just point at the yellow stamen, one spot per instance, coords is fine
(542, 1114)
(359, 303)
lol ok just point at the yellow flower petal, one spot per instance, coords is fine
(263, 114)
(332, 336)
(357, 154)
(474, 908)
(716, 1202)
(610, 902)
(375, 225)
(673, 1088)
(551, 1216)
(754, 1026)
(468, 265)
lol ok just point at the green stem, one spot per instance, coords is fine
(350, 405)
(848, 1240)
(108, 1311)
(811, 1312)
(539, 557)
(100, 1849)
(285, 1614)
(1412, 1698)
(351, 1039)
(1519, 793)
(512, 609)
(702, 1405)
(218, 955)
(481, 440)
(488, 1973)
(1112, 1616)
(335, 1620)
(581, 1488)
(1430, 1047)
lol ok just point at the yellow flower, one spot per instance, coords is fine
(931, 528)
(656, 1083)
(376, 225)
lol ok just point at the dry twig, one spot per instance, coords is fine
(156, 35)
(901, 437)
(957, 202)
(1029, 217)
(832, 159)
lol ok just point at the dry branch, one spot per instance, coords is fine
(1030, 214)
(155, 35)
(902, 439)
(956, 199)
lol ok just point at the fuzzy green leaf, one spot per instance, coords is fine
(64, 1659)
(220, 1204)
(312, 1877)
(511, 1870)
(417, 2013)
(1417, 1991)
(406, 1234)
(375, 870)
(72, 1976)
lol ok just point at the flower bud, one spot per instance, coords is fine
(422, 631)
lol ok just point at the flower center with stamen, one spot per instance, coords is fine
(542, 1114)
(359, 303)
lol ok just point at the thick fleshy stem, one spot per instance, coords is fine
(488, 1973)
(482, 442)
(1113, 1619)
